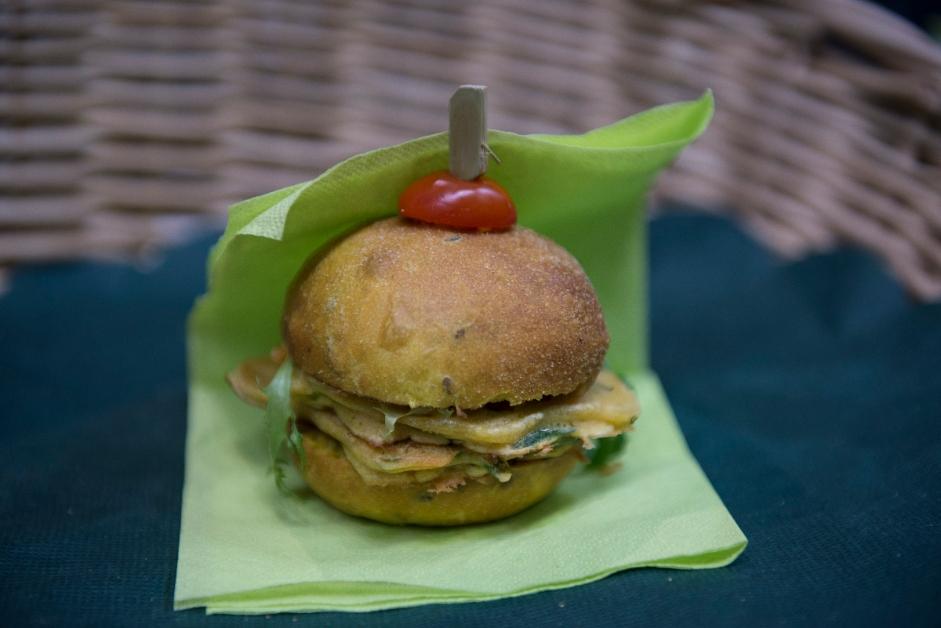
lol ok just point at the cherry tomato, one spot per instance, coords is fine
(443, 199)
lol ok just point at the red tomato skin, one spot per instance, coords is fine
(441, 198)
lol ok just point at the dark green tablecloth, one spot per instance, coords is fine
(809, 392)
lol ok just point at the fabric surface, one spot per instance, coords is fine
(245, 548)
(808, 392)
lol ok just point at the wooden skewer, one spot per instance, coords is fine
(467, 132)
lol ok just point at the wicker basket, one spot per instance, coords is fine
(128, 122)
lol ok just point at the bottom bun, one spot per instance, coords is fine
(335, 480)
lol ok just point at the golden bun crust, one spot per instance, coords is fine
(419, 315)
(334, 479)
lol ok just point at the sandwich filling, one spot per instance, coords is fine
(443, 448)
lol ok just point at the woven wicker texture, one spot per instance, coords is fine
(126, 121)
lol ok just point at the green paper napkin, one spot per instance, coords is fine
(246, 548)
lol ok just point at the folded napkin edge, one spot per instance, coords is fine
(287, 598)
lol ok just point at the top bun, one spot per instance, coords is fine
(419, 315)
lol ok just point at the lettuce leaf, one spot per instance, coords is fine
(605, 451)
(543, 434)
(281, 424)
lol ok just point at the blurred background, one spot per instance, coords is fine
(126, 125)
